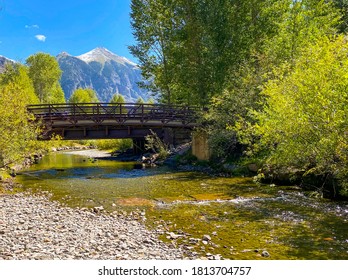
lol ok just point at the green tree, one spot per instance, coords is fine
(189, 49)
(302, 22)
(45, 73)
(303, 123)
(117, 98)
(342, 5)
(288, 27)
(17, 74)
(153, 23)
(140, 100)
(56, 94)
(18, 133)
(151, 100)
(84, 96)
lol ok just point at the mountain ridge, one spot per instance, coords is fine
(99, 69)
(3, 61)
(103, 71)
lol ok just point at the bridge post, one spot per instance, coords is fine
(138, 145)
(200, 145)
(168, 136)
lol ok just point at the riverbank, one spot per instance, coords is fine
(33, 227)
(205, 216)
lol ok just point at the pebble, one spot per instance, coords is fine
(172, 235)
(265, 254)
(33, 227)
(206, 237)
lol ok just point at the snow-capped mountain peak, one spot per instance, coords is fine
(6, 58)
(103, 71)
(103, 55)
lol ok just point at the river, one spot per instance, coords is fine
(231, 217)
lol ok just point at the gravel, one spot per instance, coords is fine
(33, 227)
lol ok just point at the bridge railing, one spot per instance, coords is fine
(98, 112)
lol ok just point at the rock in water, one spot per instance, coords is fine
(265, 254)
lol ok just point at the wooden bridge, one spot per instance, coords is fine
(113, 120)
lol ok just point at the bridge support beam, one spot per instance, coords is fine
(200, 146)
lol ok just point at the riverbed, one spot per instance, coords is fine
(211, 217)
(34, 228)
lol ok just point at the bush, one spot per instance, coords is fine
(156, 145)
(114, 144)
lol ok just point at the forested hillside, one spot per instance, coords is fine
(272, 74)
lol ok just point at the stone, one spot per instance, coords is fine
(98, 209)
(265, 254)
(206, 237)
(253, 167)
(217, 257)
(193, 240)
(174, 236)
(45, 230)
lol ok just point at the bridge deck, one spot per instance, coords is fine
(111, 120)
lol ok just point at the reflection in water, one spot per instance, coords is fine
(241, 217)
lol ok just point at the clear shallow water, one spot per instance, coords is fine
(242, 218)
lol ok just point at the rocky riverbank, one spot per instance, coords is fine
(33, 227)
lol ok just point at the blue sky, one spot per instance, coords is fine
(73, 26)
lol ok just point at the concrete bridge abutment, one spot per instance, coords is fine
(200, 145)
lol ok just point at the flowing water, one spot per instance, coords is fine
(242, 219)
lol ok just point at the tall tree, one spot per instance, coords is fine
(117, 98)
(45, 73)
(285, 28)
(140, 100)
(342, 5)
(84, 96)
(303, 122)
(56, 94)
(153, 23)
(302, 22)
(16, 129)
(188, 49)
(18, 74)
